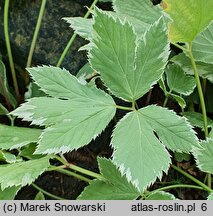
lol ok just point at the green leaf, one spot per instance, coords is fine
(146, 158)
(39, 196)
(174, 131)
(81, 26)
(141, 14)
(9, 193)
(178, 81)
(196, 119)
(180, 157)
(4, 88)
(73, 122)
(116, 186)
(204, 70)
(180, 100)
(22, 173)
(142, 160)
(15, 137)
(7, 157)
(160, 195)
(204, 156)
(28, 152)
(210, 197)
(189, 18)
(202, 46)
(129, 69)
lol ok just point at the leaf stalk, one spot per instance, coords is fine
(47, 193)
(35, 36)
(192, 178)
(9, 52)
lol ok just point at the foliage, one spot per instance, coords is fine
(25, 172)
(188, 18)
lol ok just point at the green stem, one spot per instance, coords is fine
(70, 173)
(200, 91)
(167, 95)
(205, 187)
(61, 169)
(148, 97)
(202, 101)
(35, 36)
(209, 180)
(166, 100)
(7, 40)
(79, 169)
(180, 47)
(12, 119)
(204, 91)
(74, 36)
(47, 193)
(179, 186)
(86, 172)
(124, 108)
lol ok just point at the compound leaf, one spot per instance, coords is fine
(22, 173)
(128, 70)
(141, 14)
(14, 137)
(204, 156)
(189, 18)
(139, 154)
(9, 193)
(116, 186)
(160, 195)
(202, 47)
(178, 81)
(145, 158)
(68, 120)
